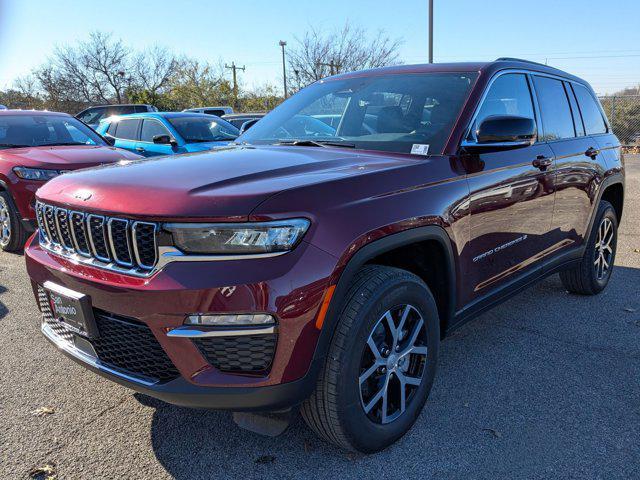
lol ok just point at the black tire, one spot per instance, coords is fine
(17, 236)
(336, 410)
(587, 278)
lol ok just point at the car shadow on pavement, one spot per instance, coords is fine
(522, 390)
(3, 308)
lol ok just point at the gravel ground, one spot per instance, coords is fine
(545, 386)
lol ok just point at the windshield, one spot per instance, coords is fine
(388, 113)
(45, 130)
(204, 129)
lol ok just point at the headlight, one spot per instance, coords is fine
(41, 174)
(238, 238)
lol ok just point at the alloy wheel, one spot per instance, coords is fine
(393, 363)
(604, 249)
(5, 223)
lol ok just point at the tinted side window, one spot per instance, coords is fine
(591, 115)
(93, 115)
(113, 127)
(508, 95)
(124, 110)
(128, 129)
(577, 119)
(554, 108)
(217, 113)
(140, 108)
(151, 128)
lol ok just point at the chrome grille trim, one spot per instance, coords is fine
(134, 229)
(74, 239)
(74, 234)
(112, 244)
(93, 242)
(61, 217)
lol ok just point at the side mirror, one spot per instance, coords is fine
(110, 140)
(248, 124)
(503, 132)
(163, 140)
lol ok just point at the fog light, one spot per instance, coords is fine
(231, 320)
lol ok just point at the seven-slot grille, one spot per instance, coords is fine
(111, 241)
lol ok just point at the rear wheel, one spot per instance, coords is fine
(381, 362)
(12, 234)
(592, 275)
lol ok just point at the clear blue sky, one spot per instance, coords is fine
(598, 40)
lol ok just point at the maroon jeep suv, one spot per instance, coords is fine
(319, 261)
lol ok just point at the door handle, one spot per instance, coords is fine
(542, 162)
(592, 153)
(139, 149)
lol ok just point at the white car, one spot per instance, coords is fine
(217, 111)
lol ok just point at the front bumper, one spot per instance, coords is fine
(290, 287)
(186, 394)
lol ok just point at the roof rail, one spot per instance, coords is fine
(513, 59)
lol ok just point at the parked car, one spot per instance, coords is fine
(322, 268)
(168, 133)
(93, 115)
(239, 119)
(217, 111)
(2, 107)
(35, 147)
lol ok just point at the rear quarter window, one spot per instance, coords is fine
(591, 114)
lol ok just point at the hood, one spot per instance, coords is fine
(65, 158)
(219, 184)
(203, 146)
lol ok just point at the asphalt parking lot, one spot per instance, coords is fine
(545, 386)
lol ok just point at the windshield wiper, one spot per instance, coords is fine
(13, 145)
(61, 144)
(316, 143)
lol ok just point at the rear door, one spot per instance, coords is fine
(151, 128)
(578, 161)
(511, 200)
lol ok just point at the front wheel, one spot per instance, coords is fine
(12, 234)
(381, 362)
(592, 275)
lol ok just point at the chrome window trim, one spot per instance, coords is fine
(134, 241)
(91, 242)
(112, 246)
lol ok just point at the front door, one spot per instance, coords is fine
(150, 129)
(511, 198)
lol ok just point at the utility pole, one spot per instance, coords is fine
(430, 31)
(234, 69)
(284, 68)
(333, 66)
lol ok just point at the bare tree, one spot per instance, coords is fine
(153, 71)
(319, 54)
(94, 71)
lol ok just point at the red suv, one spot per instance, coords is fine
(320, 260)
(36, 147)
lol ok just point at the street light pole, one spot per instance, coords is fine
(284, 68)
(430, 31)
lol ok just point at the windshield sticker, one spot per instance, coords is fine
(420, 149)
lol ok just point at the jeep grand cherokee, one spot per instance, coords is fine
(321, 259)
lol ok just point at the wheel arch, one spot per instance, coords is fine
(381, 252)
